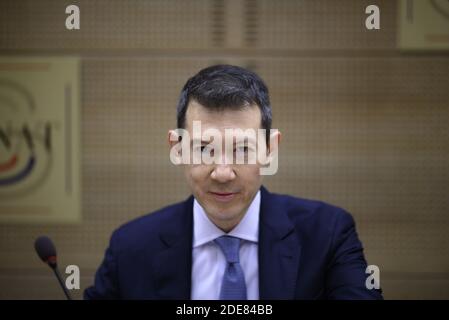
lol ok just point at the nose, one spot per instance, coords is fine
(223, 173)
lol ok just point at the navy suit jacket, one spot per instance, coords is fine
(307, 250)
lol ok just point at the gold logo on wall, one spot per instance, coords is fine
(39, 140)
(424, 24)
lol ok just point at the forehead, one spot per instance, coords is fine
(244, 118)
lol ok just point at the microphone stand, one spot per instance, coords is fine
(58, 276)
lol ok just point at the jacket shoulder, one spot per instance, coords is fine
(312, 214)
(302, 206)
(142, 231)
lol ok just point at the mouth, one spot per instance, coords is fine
(223, 196)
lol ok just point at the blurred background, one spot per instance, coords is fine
(365, 125)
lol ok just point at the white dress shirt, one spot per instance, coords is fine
(208, 261)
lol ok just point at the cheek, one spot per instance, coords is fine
(196, 175)
(250, 173)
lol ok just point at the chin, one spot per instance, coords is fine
(228, 215)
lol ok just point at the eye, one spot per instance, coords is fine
(207, 149)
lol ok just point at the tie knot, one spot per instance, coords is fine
(230, 247)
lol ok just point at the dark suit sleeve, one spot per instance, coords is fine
(346, 275)
(106, 278)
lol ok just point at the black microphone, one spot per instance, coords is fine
(47, 252)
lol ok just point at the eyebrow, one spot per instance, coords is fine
(245, 142)
(200, 141)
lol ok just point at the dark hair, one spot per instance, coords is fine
(224, 86)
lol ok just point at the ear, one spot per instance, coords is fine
(275, 140)
(172, 138)
(272, 154)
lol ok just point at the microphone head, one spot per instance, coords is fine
(46, 250)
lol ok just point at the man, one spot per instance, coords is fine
(232, 239)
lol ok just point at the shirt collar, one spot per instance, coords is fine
(205, 230)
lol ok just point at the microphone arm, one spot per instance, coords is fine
(47, 252)
(61, 282)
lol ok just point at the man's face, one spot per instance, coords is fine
(225, 190)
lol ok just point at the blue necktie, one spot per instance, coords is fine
(233, 285)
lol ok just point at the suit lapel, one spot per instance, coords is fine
(173, 265)
(279, 251)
